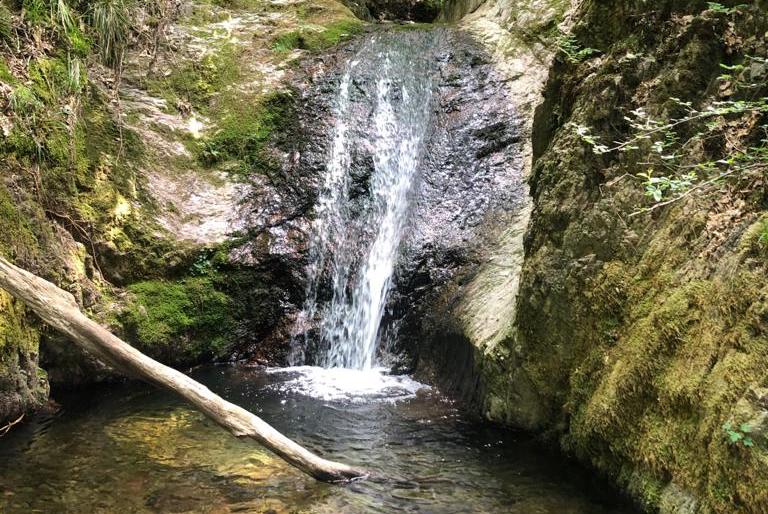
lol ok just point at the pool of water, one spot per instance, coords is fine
(134, 449)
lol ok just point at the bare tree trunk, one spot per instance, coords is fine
(59, 309)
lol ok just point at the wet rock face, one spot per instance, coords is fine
(22, 386)
(616, 325)
(468, 186)
(471, 187)
(271, 259)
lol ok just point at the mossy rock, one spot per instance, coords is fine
(317, 38)
(180, 322)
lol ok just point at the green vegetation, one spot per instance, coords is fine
(682, 156)
(17, 238)
(244, 131)
(720, 8)
(235, 4)
(754, 242)
(6, 23)
(110, 20)
(570, 47)
(75, 26)
(644, 333)
(183, 321)
(318, 38)
(198, 82)
(674, 146)
(19, 337)
(739, 435)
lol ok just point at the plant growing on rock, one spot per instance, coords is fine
(570, 47)
(739, 435)
(110, 22)
(720, 8)
(673, 166)
(6, 24)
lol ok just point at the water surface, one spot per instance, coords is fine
(134, 449)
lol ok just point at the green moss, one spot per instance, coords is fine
(203, 14)
(198, 82)
(236, 4)
(50, 80)
(315, 39)
(755, 238)
(6, 75)
(244, 131)
(6, 23)
(36, 12)
(288, 41)
(17, 335)
(17, 239)
(79, 43)
(644, 335)
(182, 321)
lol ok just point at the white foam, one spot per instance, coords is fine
(347, 385)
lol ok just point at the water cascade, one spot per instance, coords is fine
(356, 236)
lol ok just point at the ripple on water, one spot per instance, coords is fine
(136, 449)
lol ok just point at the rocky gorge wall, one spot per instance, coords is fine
(645, 336)
(187, 226)
(629, 341)
(457, 332)
(637, 341)
(151, 195)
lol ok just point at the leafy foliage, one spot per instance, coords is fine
(570, 47)
(739, 435)
(659, 139)
(720, 8)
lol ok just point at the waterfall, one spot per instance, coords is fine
(354, 243)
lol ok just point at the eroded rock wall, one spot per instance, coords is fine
(645, 335)
(638, 339)
(471, 314)
(158, 199)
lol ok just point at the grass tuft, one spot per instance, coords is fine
(110, 22)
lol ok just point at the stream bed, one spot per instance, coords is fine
(135, 449)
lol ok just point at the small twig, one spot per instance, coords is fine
(689, 192)
(616, 180)
(7, 428)
(646, 135)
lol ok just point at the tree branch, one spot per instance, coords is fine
(59, 309)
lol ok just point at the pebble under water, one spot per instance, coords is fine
(135, 449)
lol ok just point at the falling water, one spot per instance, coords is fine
(356, 247)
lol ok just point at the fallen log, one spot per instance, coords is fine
(59, 309)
